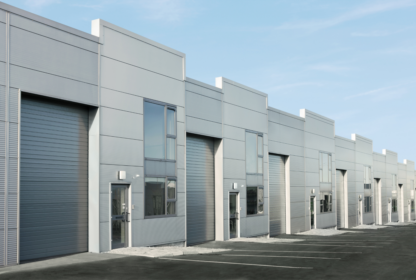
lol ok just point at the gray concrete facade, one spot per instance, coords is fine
(114, 72)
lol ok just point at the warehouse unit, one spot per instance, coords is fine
(106, 136)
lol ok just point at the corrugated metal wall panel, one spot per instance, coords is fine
(2, 245)
(2, 140)
(2, 73)
(13, 140)
(53, 178)
(200, 180)
(340, 199)
(2, 104)
(3, 42)
(277, 194)
(14, 105)
(12, 247)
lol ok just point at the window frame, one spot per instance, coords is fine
(368, 204)
(167, 178)
(322, 202)
(321, 169)
(258, 135)
(166, 136)
(257, 201)
(394, 205)
(367, 177)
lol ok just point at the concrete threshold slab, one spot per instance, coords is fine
(265, 240)
(168, 251)
(325, 232)
(369, 227)
(60, 261)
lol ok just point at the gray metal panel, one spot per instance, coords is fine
(2, 42)
(53, 86)
(2, 73)
(200, 187)
(130, 79)
(119, 124)
(14, 105)
(53, 178)
(2, 16)
(203, 107)
(340, 199)
(12, 247)
(150, 232)
(142, 54)
(57, 31)
(277, 196)
(47, 55)
(122, 101)
(2, 106)
(121, 151)
(2, 239)
(204, 127)
(13, 140)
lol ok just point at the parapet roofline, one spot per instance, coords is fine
(54, 24)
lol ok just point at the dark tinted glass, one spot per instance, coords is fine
(154, 130)
(154, 196)
(251, 200)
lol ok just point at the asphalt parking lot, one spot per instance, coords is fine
(388, 253)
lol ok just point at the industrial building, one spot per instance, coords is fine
(105, 143)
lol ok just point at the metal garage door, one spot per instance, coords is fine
(53, 178)
(200, 203)
(340, 199)
(277, 195)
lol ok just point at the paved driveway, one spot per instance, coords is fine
(388, 253)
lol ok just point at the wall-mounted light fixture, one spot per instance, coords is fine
(313, 191)
(235, 185)
(122, 175)
(360, 197)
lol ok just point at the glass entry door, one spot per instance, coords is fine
(312, 210)
(233, 215)
(119, 216)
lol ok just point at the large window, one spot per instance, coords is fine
(367, 204)
(367, 176)
(394, 205)
(325, 168)
(412, 206)
(159, 131)
(160, 196)
(254, 153)
(326, 202)
(255, 200)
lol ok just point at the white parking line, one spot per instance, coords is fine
(314, 252)
(291, 257)
(348, 241)
(248, 264)
(291, 244)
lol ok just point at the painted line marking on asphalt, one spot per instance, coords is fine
(325, 245)
(314, 252)
(248, 264)
(291, 257)
(348, 241)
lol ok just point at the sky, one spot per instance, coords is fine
(351, 61)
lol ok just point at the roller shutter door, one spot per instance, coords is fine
(200, 187)
(53, 178)
(277, 195)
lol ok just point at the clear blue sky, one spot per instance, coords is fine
(352, 61)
